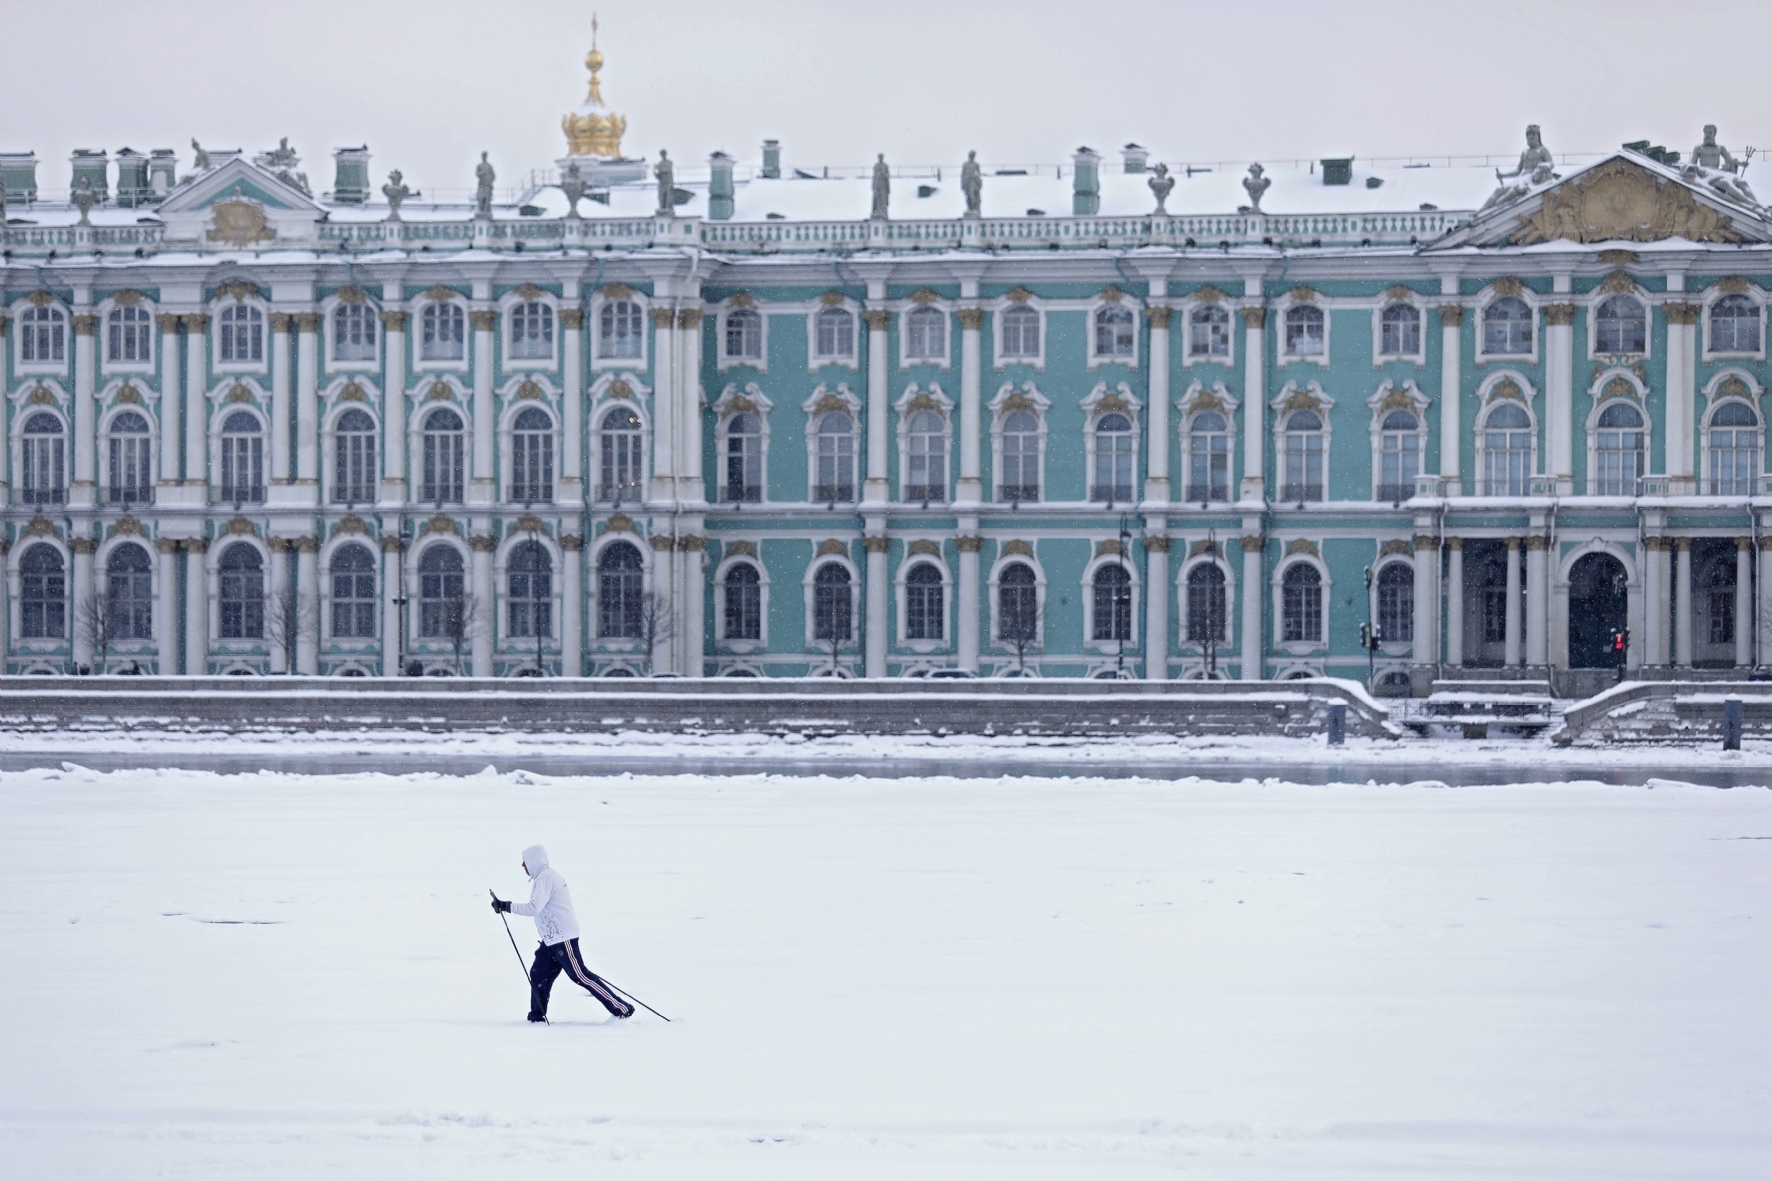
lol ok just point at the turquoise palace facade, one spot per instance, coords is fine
(1078, 420)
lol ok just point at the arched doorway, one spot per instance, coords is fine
(1597, 612)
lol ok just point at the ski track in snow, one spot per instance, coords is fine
(284, 976)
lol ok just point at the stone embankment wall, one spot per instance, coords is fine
(1665, 711)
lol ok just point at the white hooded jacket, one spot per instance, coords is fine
(550, 902)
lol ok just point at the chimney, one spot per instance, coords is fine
(1338, 170)
(162, 171)
(772, 159)
(1086, 183)
(719, 187)
(18, 173)
(1134, 157)
(350, 178)
(95, 166)
(132, 178)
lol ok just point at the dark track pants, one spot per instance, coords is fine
(553, 959)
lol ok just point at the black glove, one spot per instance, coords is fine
(500, 905)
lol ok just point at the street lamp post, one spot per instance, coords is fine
(1369, 637)
(400, 601)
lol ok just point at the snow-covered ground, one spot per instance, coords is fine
(276, 976)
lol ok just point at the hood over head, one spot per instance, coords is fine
(535, 859)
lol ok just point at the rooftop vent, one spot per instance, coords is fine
(1656, 153)
(772, 159)
(1134, 157)
(350, 177)
(1338, 170)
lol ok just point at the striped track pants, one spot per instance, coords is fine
(553, 959)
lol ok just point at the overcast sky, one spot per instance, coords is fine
(429, 84)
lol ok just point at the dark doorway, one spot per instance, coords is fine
(1598, 605)
(1485, 602)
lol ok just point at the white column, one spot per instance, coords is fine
(571, 606)
(879, 410)
(1451, 385)
(1251, 622)
(571, 489)
(166, 607)
(1512, 649)
(307, 589)
(1254, 408)
(1763, 601)
(687, 348)
(307, 402)
(1744, 602)
(171, 391)
(278, 584)
(1683, 603)
(391, 590)
(1654, 621)
(1455, 601)
(966, 605)
(84, 490)
(393, 408)
(196, 423)
(1633, 614)
(664, 589)
(875, 654)
(481, 489)
(1559, 396)
(1537, 601)
(1425, 648)
(1682, 352)
(282, 325)
(197, 607)
(1156, 468)
(695, 649)
(971, 486)
(1156, 588)
(487, 623)
(81, 598)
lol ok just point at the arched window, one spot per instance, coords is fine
(831, 608)
(835, 478)
(532, 456)
(1021, 332)
(833, 333)
(242, 459)
(1399, 455)
(744, 335)
(242, 593)
(1396, 603)
(1018, 604)
(926, 475)
(440, 593)
(442, 332)
(744, 602)
(926, 334)
(1507, 327)
(129, 471)
(1304, 457)
(240, 332)
(43, 461)
(923, 605)
(620, 329)
(129, 337)
(1020, 477)
(1620, 326)
(1304, 331)
(1209, 332)
(1113, 459)
(353, 593)
(43, 594)
(744, 459)
(353, 332)
(1206, 622)
(1399, 331)
(532, 331)
(621, 584)
(1208, 457)
(1301, 604)
(444, 461)
(1114, 331)
(1112, 590)
(129, 593)
(353, 454)
(1735, 325)
(621, 471)
(1734, 449)
(42, 336)
(1507, 450)
(530, 573)
(1618, 450)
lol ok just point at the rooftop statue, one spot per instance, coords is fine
(666, 174)
(396, 191)
(882, 187)
(483, 177)
(1536, 168)
(1507, 194)
(1255, 184)
(1712, 164)
(202, 160)
(1162, 184)
(1535, 155)
(972, 184)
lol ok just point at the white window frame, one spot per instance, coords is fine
(1601, 402)
(101, 461)
(1092, 413)
(998, 411)
(17, 331)
(329, 447)
(1418, 405)
(901, 591)
(1283, 308)
(329, 308)
(1715, 296)
(902, 413)
(1387, 646)
(600, 408)
(220, 412)
(507, 307)
(1379, 356)
(1231, 598)
(415, 436)
(522, 648)
(741, 647)
(725, 310)
(942, 307)
(416, 337)
(507, 443)
(1713, 399)
(1534, 305)
(594, 329)
(852, 406)
(857, 328)
(111, 365)
(817, 647)
(216, 308)
(21, 412)
(994, 584)
(725, 409)
(1327, 587)
(1037, 362)
(1486, 403)
(613, 645)
(1087, 587)
(1592, 307)
(1186, 408)
(1095, 305)
(1324, 408)
(351, 645)
(1185, 311)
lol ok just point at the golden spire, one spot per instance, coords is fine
(594, 62)
(589, 133)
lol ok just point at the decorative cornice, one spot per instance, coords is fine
(572, 319)
(832, 546)
(879, 319)
(1253, 317)
(395, 321)
(84, 325)
(1426, 542)
(1680, 313)
(1559, 315)
(971, 319)
(307, 321)
(481, 543)
(529, 523)
(662, 317)
(195, 322)
(1159, 317)
(1451, 314)
(484, 320)
(282, 322)
(1301, 545)
(660, 543)
(165, 321)
(691, 543)
(689, 318)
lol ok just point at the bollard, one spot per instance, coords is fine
(1732, 723)
(1337, 724)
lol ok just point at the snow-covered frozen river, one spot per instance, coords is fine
(282, 976)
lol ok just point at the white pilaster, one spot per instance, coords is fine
(1451, 385)
(393, 404)
(879, 411)
(197, 592)
(486, 625)
(1156, 466)
(1254, 406)
(278, 584)
(282, 325)
(392, 588)
(171, 394)
(196, 424)
(876, 545)
(664, 407)
(82, 599)
(1251, 614)
(971, 487)
(83, 493)
(1559, 386)
(1537, 601)
(307, 589)
(1654, 623)
(1156, 584)
(1683, 603)
(688, 387)
(572, 606)
(966, 605)
(481, 489)
(166, 607)
(1763, 604)
(1512, 649)
(307, 403)
(1682, 414)
(1744, 601)
(1425, 648)
(1455, 601)
(571, 488)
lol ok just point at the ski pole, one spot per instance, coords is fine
(514, 951)
(636, 1000)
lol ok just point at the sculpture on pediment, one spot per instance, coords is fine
(1623, 201)
(1162, 184)
(882, 187)
(1536, 167)
(1507, 194)
(1714, 165)
(484, 175)
(202, 160)
(396, 191)
(972, 184)
(1255, 184)
(1535, 156)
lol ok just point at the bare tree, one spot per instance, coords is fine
(290, 618)
(462, 620)
(657, 624)
(95, 621)
(1020, 623)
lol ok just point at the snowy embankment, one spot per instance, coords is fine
(275, 976)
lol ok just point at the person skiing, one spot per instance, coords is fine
(550, 905)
